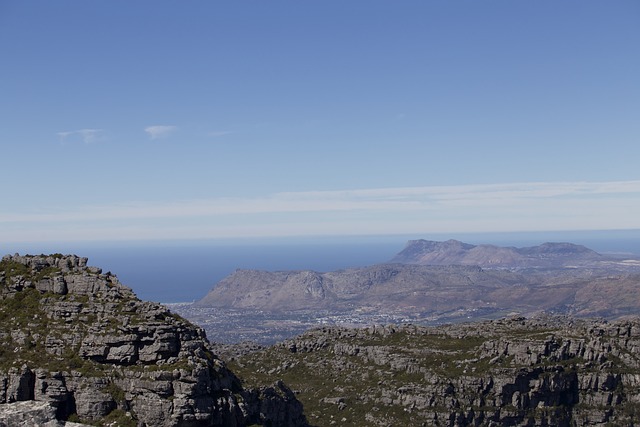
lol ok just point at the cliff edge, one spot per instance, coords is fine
(81, 344)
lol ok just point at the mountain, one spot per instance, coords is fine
(388, 285)
(547, 255)
(543, 371)
(79, 346)
(553, 277)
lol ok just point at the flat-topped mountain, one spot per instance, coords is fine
(77, 345)
(546, 255)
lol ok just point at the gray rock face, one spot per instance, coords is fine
(78, 341)
(32, 413)
(28, 413)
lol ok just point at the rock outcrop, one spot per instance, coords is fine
(546, 371)
(80, 342)
(30, 413)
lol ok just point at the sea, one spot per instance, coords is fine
(184, 271)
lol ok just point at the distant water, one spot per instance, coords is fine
(186, 271)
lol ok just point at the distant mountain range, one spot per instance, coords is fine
(547, 255)
(436, 278)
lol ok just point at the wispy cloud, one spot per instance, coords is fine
(86, 136)
(160, 131)
(533, 206)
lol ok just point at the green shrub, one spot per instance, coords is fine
(115, 391)
(13, 268)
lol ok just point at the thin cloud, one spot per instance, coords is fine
(160, 131)
(559, 206)
(536, 198)
(86, 136)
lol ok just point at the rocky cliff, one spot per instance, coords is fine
(78, 342)
(546, 371)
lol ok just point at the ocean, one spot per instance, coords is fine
(184, 271)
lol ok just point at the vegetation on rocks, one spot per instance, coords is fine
(79, 346)
(542, 371)
(83, 343)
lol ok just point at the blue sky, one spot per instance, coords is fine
(160, 119)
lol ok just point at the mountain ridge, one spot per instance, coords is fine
(439, 277)
(546, 255)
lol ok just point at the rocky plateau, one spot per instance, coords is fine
(543, 371)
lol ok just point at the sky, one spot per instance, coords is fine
(161, 120)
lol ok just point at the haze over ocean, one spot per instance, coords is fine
(184, 271)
